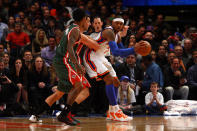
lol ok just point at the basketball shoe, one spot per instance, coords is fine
(35, 119)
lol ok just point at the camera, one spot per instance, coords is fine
(1, 77)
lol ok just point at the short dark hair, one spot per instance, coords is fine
(51, 36)
(148, 58)
(78, 14)
(154, 83)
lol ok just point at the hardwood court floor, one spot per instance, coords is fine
(145, 123)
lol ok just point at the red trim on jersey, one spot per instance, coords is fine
(68, 36)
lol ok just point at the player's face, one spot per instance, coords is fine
(86, 23)
(118, 26)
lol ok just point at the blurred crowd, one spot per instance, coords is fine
(30, 30)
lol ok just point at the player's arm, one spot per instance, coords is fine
(74, 36)
(109, 35)
(89, 42)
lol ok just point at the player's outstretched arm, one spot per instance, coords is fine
(109, 35)
(89, 42)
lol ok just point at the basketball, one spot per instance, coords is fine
(143, 48)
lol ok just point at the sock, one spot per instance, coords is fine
(116, 108)
(110, 108)
(42, 108)
(66, 109)
(110, 92)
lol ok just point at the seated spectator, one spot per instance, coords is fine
(39, 42)
(153, 55)
(192, 77)
(178, 50)
(126, 94)
(161, 58)
(153, 73)
(6, 59)
(175, 81)
(27, 57)
(154, 100)
(38, 83)
(17, 40)
(18, 76)
(8, 92)
(48, 52)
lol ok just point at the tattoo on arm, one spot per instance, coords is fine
(74, 36)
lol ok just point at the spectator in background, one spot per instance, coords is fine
(2, 50)
(3, 28)
(192, 77)
(129, 68)
(38, 83)
(140, 32)
(27, 57)
(132, 41)
(161, 58)
(187, 50)
(8, 92)
(39, 42)
(50, 29)
(154, 100)
(19, 78)
(46, 17)
(153, 73)
(178, 50)
(48, 52)
(6, 59)
(17, 40)
(153, 55)
(58, 35)
(171, 56)
(165, 44)
(126, 94)
(175, 81)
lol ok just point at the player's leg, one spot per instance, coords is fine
(49, 101)
(65, 115)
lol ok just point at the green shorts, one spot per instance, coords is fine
(64, 83)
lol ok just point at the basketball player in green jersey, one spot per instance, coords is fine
(69, 70)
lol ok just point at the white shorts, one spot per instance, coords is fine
(97, 65)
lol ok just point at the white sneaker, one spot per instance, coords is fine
(120, 116)
(34, 118)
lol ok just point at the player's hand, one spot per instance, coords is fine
(80, 69)
(139, 45)
(123, 33)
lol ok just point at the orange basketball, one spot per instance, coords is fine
(143, 48)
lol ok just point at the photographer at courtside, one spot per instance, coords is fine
(8, 90)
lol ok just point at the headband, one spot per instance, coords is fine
(118, 19)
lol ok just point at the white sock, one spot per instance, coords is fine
(116, 108)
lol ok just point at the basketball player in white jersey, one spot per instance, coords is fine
(97, 66)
